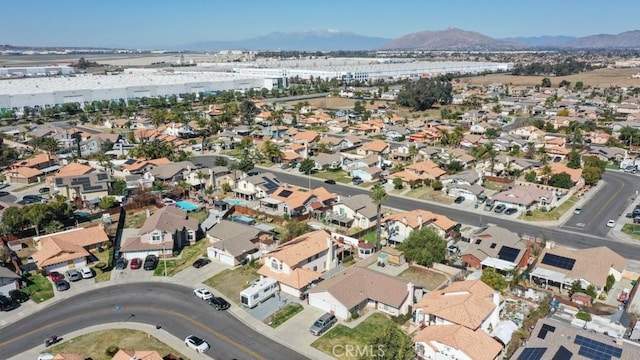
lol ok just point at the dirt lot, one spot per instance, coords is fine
(231, 282)
(428, 279)
(620, 77)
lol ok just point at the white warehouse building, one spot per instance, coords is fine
(364, 69)
(50, 91)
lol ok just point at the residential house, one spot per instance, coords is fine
(257, 187)
(141, 166)
(336, 143)
(23, 175)
(472, 304)
(234, 242)
(466, 177)
(173, 172)
(525, 197)
(426, 170)
(294, 201)
(87, 188)
(116, 123)
(9, 280)
(560, 266)
(558, 168)
(455, 342)
(356, 288)
(299, 262)
(528, 133)
(326, 161)
(167, 229)
(367, 174)
(178, 130)
(306, 137)
(471, 141)
(607, 153)
(557, 339)
(136, 355)
(469, 192)
(398, 227)
(70, 249)
(275, 132)
(479, 128)
(357, 211)
(375, 147)
(599, 138)
(72, 169)
(459, 155)
(427, 136)
(496, 247)
(45, 162)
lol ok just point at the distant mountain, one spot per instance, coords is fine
(314, 40)
(545, 40)
(452, 39)
(624, 40)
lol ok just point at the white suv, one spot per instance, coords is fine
(86, 272)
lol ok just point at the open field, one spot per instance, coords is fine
(620, 77)
(95, 344)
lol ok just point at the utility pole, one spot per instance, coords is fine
(165, 260)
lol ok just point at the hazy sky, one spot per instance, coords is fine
(157, 23)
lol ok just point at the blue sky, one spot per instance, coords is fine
(157, 23)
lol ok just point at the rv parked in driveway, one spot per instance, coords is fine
(258, 292)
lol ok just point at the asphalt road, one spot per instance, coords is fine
(173, 307)
(609, 203)
(612, 199)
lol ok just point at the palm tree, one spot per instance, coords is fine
(546, 171)
(413, 152)
(378, 195)
(271, 150)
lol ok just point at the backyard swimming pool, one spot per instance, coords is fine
(187, 206)
(234, 201)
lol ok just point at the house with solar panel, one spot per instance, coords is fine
(256, 187)
(498, 248)
(560, 267)
(553, 339)
(88, 188)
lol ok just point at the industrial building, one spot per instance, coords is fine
(29, 71)
(50, 91)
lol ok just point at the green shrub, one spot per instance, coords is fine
(111, 350)
(354, 315)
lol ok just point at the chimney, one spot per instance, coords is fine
(419, 221)
(410, 290)
(331, 261)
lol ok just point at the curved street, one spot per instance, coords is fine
(173, 307)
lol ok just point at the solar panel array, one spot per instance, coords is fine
(596, 350)
(102, 176)
(562, 354)
(532, 354)
(558, 261)
(285, 193)
(508, 254)
(268, 184)
(544, 330)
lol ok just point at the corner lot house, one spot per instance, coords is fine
(68, 249)
(496, 247)
(300, 261)
(356, 288)
(455, 342)
(168, 229)
(398, 227)
(525, 197)
(234, 242)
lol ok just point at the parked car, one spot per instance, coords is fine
(86, 272)
(459, 200)
(488, 206)
(44, 190)
(62, 285)
(3, 193)
(55, 276)
(196, 343)
(18, 296)
(74, 275)
(121, 263)
(150, 262)
(357, 181)
(577, 211)
(611, 223)
(203, 293)
(135, 264)
(324, 323)
(499, 208)
(382, 181)
(3, 184)
(219, 303)
(330, 182)
(201, 262)
(7, 304)
(510, 211)
(482, 198)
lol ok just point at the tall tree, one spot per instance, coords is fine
(248, 111)
(378, 195)
(37, 214)
(424, 93)
(392, 344)
(424, 246)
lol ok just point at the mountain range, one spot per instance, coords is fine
(452, 39)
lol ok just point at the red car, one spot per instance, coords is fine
(136, 263)
(55, 276)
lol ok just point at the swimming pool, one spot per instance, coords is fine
(243, 219)
(234, 201)
(187, 206)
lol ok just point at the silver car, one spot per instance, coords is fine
(74, 275)
(324, 323)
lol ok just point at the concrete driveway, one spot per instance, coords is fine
(271, 305)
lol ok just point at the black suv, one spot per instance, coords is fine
(219, 303)
(150, 262)
(7, 304)
(18, 296)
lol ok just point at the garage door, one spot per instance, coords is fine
(318, 302)
(226, 259)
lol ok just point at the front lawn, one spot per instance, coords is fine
(187, 257)
(39, 288)
(283, 315)
(338, 176)
(95, 344)
(555, 214)
(103, 273)
(370, 237)
(231, 281)
(362, 335)
(632, 229)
